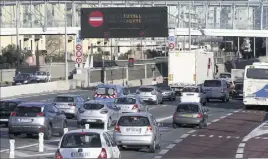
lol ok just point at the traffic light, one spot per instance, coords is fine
(130, 62)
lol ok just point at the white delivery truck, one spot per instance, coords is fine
(237, 75)
(189, 68)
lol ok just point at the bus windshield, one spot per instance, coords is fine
(257, 73)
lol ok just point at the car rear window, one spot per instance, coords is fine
(239, 86)
(7, 106)
(27, 111)
(190, 89)
(93, 106)
(134, 121)
(64, 99)
(225, 76)
(146, 89)
(81, 140)
(188, 108)
(212, 83)
(125, 101)
(105, 91)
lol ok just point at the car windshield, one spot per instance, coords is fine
(144, 89)
(257, 73)
(41, 73)
(134, 121)
(239, 86)
(105, 91)
(225, 76)
(190, 89)
(27, 111)
(212, 83)
(81, 140)
(7, 106)
(93, 106)
(64, 99)
(188, 108)
(23, 76)
(125, 100)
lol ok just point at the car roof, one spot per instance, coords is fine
(13, 100)
(99, 131)
(67, 95)
(137, 114)
(33, 104)
(99, 101)
(194, 103)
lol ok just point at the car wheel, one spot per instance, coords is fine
(174, 98)
(224, 99)
(152, 147)
(61, 133)
(48, 132)
(162, 101)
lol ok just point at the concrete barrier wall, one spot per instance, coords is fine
(7, 75)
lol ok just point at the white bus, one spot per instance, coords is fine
(256, 85)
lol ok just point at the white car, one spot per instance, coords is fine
(193, 94)
(96, 111)
(87, 143)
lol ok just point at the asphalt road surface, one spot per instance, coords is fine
(229, 124)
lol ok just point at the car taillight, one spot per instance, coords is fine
(149, 129)
(104, 112)
(103, 154)
(117, 128)
(58, 155)
(72, 104)
(13, 114)
(40, 114)
(135, 106)
(199, 115)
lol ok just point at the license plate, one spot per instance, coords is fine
(25, 120)
(79, 154)
(91, 120)
(3, 119)
(133, 130)
(188, 115)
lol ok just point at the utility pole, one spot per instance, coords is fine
(66, 43)
(190, 23)
(17, 32)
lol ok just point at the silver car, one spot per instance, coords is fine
(191, 113)
(96, 111)
(150, 94)
(168, 93)
(42, 76)
(137, 130)
(130, 104)
(35, 117)
(69, 104)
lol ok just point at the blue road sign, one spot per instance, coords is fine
(78, 40)
(171, 38)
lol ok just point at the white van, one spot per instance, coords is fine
(216, 89)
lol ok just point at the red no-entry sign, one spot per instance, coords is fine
(95, 18)
(78, 47)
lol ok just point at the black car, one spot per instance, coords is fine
(238, 91)
(24, 78)
(6, 107)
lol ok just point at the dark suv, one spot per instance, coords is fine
(24, 78)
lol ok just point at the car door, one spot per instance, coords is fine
(59, 117)
(51, 116)
(157, 130)
(116, 151)
(109, 145)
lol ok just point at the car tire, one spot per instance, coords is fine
(61, 133)
(158, 146)
(152, 147)
(48, 132)
(162, 101)
(224, 99)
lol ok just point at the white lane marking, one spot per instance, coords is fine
(257, 137)
(177, 141)
(228, 137)
(215, 120)
(265, 138)
(164, 118)
(170, 146)
(241, 145)
(223, 117)
(201, 135)
(50, 148)
(237, 137)
(239, 156)
(229, 114)
(156, 107)
(220, 136)
(240, 150)
(211, 136)
(193, 135)
(191, 131)
(184, 136)
(42, 154)
(158, 157)
(21, 154)
(208, 123)
(162, 152)
(26, 146)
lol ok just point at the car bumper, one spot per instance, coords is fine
(88, 120)
(129, 111)
(215, 95)
(190, 121)
(152, 98)
(131, 140)
(26, 129)
(190, 99)
(167, 96)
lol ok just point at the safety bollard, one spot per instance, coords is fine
(65, 130)
(12, 148)
(41, 142)
(105, 126)
(87, 126)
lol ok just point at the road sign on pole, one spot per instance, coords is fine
(78, 51)
(171, 46)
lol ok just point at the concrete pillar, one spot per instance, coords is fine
(145, 71)
(32, 44)
(233, 16)
(261, 27)
(127, 74)
(254, 47)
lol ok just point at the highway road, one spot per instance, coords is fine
(229, 124)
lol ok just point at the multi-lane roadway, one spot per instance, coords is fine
(224, 138)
